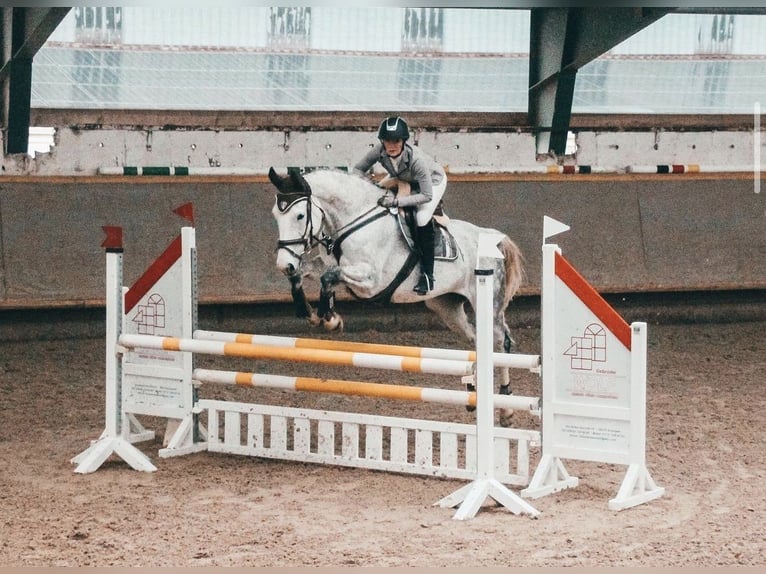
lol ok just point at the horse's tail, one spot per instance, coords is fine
(514, 269)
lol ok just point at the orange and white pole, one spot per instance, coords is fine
(362, 389)
(510, 360)
(309, 355)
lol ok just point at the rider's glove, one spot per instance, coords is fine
(387, 201)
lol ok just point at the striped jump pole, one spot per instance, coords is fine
(362, 389)
(331, 357)
(510, 360)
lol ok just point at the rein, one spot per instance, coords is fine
(357, 224)
(333, 246)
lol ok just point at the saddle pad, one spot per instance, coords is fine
(445, 245)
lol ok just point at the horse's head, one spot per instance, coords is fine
(295, 220)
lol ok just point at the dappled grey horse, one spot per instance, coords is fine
(330, 224)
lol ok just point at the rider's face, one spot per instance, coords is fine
(393, 147)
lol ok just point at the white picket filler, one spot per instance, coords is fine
(594, 384)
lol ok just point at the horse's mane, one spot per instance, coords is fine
(352, 185)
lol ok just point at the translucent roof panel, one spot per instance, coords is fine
(219, 80)
(672, 86)
(396, 58)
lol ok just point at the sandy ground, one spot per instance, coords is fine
(705, 445)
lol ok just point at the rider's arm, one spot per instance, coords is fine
(413, 199)
(422, 191)
(369, 159)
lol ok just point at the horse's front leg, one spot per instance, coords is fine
(359, 278)
(303, 309)
(330, 319)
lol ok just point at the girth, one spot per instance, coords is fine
(410, 263)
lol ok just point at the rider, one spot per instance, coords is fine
(428, 182)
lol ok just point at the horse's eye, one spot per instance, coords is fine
(301, 216)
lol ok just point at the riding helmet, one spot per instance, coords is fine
(393, 128)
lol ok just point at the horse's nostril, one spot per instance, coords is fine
(290, 268)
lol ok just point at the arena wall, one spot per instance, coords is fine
(634, 232)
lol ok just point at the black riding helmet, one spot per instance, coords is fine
(393, 128)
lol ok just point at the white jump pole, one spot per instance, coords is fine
(321, 356)
(471, 496)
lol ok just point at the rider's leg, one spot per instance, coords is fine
(425, 238)
(425, 243)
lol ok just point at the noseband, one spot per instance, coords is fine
(285, 202)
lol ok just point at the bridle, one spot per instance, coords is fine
(309, 239)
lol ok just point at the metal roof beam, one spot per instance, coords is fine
(562, 40)
(23, 31)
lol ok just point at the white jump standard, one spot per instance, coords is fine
(116, 438)
(470, 497)
(594, 386)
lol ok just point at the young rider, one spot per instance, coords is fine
(426, 178)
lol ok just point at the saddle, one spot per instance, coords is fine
(445, 245)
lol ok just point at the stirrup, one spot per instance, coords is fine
(425, 284)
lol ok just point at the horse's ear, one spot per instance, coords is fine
(302, 186)
(275, 178)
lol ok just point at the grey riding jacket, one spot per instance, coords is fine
(415, 167)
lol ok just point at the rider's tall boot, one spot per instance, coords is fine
(426, 239)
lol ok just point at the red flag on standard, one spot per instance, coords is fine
(186, 211)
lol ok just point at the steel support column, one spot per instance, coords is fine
(22, 33)
(562, 40)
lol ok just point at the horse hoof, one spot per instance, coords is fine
(314, 320)
(471, 388)
(506, 418)
(334, 323)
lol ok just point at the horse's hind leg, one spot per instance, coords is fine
(504, 343)
(450, 308)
